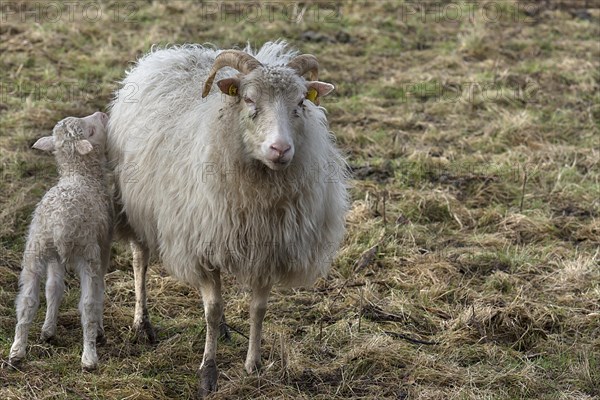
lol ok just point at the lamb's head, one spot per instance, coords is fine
(271, 101)
(80, 135)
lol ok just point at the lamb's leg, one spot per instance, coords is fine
(28, 302)
(55, 289)
(213, 311)
(88, 306)
(141, 318)
(258, 308)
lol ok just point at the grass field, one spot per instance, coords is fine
(470, 269)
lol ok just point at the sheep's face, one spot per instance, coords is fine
(272, 103)
(80, 135)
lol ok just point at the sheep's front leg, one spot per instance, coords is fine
(213, 312)
(55, 289)
(258, 308)
(141, 318)
(90, 275)
(28, 302)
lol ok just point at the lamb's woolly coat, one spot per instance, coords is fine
(74, 218)
(189, 192)
(71, 227)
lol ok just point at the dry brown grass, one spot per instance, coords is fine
(471, 265)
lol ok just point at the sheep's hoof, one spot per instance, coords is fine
(144, 330)
(14, 363)
(208, 378)
(48, 337)
(16, 356)
(253, 367)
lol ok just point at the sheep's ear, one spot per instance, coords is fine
(317, 89)
(46, 143)
(229, 86)
(83, 146)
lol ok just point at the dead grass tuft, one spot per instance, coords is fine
(474, 40)
(518, 326)
(521, 229)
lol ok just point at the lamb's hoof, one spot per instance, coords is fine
(208, 378)
(89, 358)
(89, 367)
(253, 367)
(89, 362)
(144, 330)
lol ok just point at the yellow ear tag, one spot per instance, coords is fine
(232, 90)
(312, 95)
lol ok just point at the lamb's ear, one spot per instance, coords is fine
(83, 146)
(317, 89)
(229, 86)
(45, 143)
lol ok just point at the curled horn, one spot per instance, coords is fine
(305, 63)
(237, 59)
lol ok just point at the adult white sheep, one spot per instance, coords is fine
(71, 227)
(248, 182)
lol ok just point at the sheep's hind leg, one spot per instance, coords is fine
(55, 289)
(88, 306)
(258, 308)
(141, 318)
(213, 312)
(28, 302)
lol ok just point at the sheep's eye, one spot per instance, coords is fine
(252, 107)
(301, 103)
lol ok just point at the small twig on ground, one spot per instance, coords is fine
(366, 258)
(350, 285)
(236, 331)
(284, 358)
(360, 313)
(8, 365)
(299, 13)
(384, 196)
(523, 188)
(409, 339)
(320, 330)
(76, 392)
(364, 261)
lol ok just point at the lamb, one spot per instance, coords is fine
(71, 227)
(245, 179)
